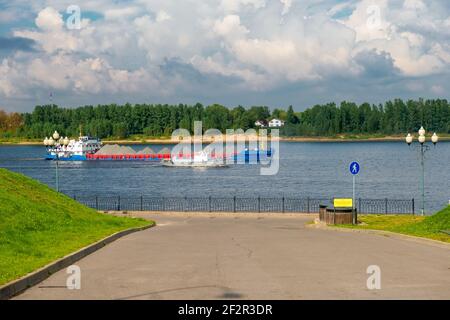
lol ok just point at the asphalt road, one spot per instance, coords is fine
(254, 257)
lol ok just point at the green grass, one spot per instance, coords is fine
(39, 225)
(426, 227)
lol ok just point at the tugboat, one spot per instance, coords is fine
(64, 149)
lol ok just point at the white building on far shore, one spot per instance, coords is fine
(276, 123)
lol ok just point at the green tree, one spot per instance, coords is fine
(291, 117)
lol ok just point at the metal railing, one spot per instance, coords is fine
(239, 204)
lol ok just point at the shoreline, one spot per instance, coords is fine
(168, 141)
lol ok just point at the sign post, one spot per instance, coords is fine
(354, 170)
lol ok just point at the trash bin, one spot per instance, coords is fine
(339, 216)
(322, 210)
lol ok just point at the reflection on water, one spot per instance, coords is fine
(388, 170)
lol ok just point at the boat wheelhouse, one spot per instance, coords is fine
(71, 150)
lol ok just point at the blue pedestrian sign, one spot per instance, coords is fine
(354, 168)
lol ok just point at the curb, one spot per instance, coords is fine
(401, 236)
(139, 214)
(15, 287)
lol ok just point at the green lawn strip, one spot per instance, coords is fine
(39, 225)
(427, 227)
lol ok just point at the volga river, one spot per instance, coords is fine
(388, 170)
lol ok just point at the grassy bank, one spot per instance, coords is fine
(426, 227)
(39, 225)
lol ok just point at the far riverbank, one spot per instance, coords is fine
(168, 140)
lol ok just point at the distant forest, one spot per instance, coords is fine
(156, 120)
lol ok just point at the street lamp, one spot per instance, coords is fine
(423, 148)
(55, 142)
(56, 135)
(434, 138)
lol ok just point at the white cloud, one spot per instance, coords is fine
(414, 39)
(411, 51)
(237, 5)
(217, 65)
(122, 13)
(8, 76)
(230, 27)
(414, 4)
(51, 41)
(49, 19)
(260, 45)
(65, 73)
(369, 21)
(162, 16)
(286, 6)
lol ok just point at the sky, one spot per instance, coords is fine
(233, 52)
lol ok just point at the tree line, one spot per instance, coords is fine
(10, 122)
(157, 120)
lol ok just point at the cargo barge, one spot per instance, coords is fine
(91, 149)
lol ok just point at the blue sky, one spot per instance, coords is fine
(249, 52)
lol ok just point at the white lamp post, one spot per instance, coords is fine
(434, 138)
(422, 139)
(423, 148)
(422, 131)
(409, 139)
(55, 142)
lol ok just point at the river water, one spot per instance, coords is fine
(318, 170)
